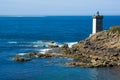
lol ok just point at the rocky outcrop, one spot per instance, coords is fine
(21, 59)
(99, 50)
(53, 46)
(47, 55)
(32, 55)
(65, 46)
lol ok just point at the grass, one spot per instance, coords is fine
(115, 29)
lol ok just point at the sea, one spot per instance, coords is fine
(20, 35)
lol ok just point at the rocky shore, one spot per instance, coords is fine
(99, 50)
(33, 55)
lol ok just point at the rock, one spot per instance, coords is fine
(21, 59)
(74, 64)
(65, 46)
(93, 61)
(31, 54)
(53, 46)
(48, 55)
(116, 54)
(99, 50)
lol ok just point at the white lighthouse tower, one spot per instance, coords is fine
(97, 23)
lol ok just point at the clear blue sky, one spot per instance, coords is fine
(59, 7)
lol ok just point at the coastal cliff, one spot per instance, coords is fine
(99, 50)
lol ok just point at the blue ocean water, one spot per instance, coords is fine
(19, 35)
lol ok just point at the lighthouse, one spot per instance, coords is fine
(97, 23)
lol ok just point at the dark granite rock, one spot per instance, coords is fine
(47, 55)
(31, 54)
(21, 59)
(53, 46)
(65, 46)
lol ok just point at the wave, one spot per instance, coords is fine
(40, 43)
(17, 42)
(43, 51)
(70, 44)
(21, 54)
(44, 44)
(39, 46)
(12, 42)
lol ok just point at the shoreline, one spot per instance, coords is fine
(99, 50)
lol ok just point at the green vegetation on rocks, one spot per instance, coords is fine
(115, 29)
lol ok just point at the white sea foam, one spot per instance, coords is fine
(70, 59)
(21, 54)
(39, 44)
(43, 51)
(44, 44)
(60, 45)
(24, 45)
(35, 45)
(12, 42)
(56, 54)
(71, 43)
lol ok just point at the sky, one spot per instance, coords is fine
(58, 7)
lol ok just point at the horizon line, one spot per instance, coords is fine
(46, 15)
